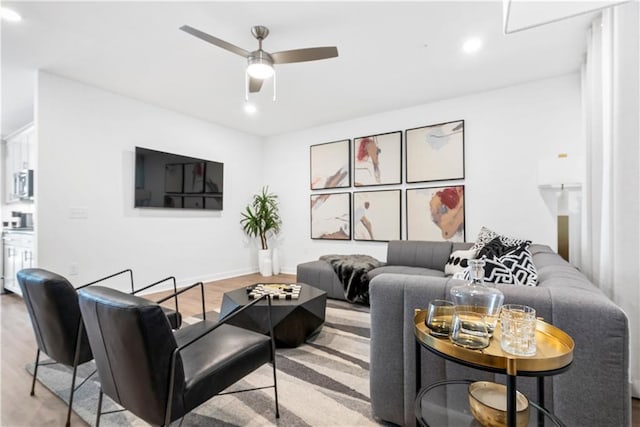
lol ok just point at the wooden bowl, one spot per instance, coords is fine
(488, 402)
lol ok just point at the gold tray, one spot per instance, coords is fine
(554, 349)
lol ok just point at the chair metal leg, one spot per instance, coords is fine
(73, 386)
(275, 387)
(273, 357)
(35, 373)
(99, 408)
(76, 359)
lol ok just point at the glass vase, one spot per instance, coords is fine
(477, 296)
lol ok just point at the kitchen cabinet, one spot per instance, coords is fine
(19, 154)
(18, 253)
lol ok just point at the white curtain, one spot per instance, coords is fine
(610, 253)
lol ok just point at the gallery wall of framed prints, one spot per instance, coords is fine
(370, 168)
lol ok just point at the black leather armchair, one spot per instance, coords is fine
(174, 316)
(52, 303)
(157, 374)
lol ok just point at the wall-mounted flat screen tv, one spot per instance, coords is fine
(165, 180)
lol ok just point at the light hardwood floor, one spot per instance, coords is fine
(17, 348)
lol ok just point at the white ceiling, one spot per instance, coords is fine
(392, 55)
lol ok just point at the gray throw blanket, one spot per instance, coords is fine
(352, 271)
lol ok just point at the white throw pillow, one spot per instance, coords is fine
(458, 261)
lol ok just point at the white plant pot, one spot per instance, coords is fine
(275, 261)
(264, 262)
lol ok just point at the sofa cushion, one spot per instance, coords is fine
(400, 269)
(412, 253)
(460, 246)
(547, 274)
(458, 261)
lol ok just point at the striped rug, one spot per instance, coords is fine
(324, 382)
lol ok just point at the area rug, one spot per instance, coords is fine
(324, 382)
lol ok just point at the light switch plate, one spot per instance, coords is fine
(79, 213)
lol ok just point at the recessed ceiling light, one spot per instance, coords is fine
(10, 15)
(472, 45)
(250, 108)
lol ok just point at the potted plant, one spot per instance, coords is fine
(260, 219)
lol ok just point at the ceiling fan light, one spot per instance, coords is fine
(260, 65)
(259, 70)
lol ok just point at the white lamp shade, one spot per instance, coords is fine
(561, 171)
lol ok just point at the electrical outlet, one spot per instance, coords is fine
(73, 269)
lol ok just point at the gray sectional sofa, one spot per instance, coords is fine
(593, 392)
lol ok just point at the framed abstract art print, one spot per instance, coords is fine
(330, 165)
(376, 215)
(377, 159)
(436, 214)
(436, 152)
(331, 216)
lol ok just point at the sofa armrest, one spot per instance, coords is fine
(321, 275)
(600, 370)
(392, 372)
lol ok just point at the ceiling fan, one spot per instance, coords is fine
(261, 62)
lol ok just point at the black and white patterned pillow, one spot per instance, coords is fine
(458, 261)
(514, 267)
(486, 235)
(520, 262)
(496, 272)
(494, 249)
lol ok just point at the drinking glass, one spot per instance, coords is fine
(469, 329)
(491, 314)
(439, 314)
(518, 324)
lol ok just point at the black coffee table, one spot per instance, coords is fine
(293, 320)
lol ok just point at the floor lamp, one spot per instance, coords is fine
(563, 222)
(561, 175)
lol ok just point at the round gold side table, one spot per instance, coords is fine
(554, 355)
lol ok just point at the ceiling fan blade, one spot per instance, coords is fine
(255, 84)
(215, 41)
(302, 55)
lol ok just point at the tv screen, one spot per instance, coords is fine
(165, 180)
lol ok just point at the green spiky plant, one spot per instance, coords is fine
(262, 217)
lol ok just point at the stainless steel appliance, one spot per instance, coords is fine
(23, 184)
(26, 220)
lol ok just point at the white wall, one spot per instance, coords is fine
(506, 132)
(86, 139)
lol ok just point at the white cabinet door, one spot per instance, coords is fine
(11, 266)
(10, 162)
(20, 154)
(18, 254)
